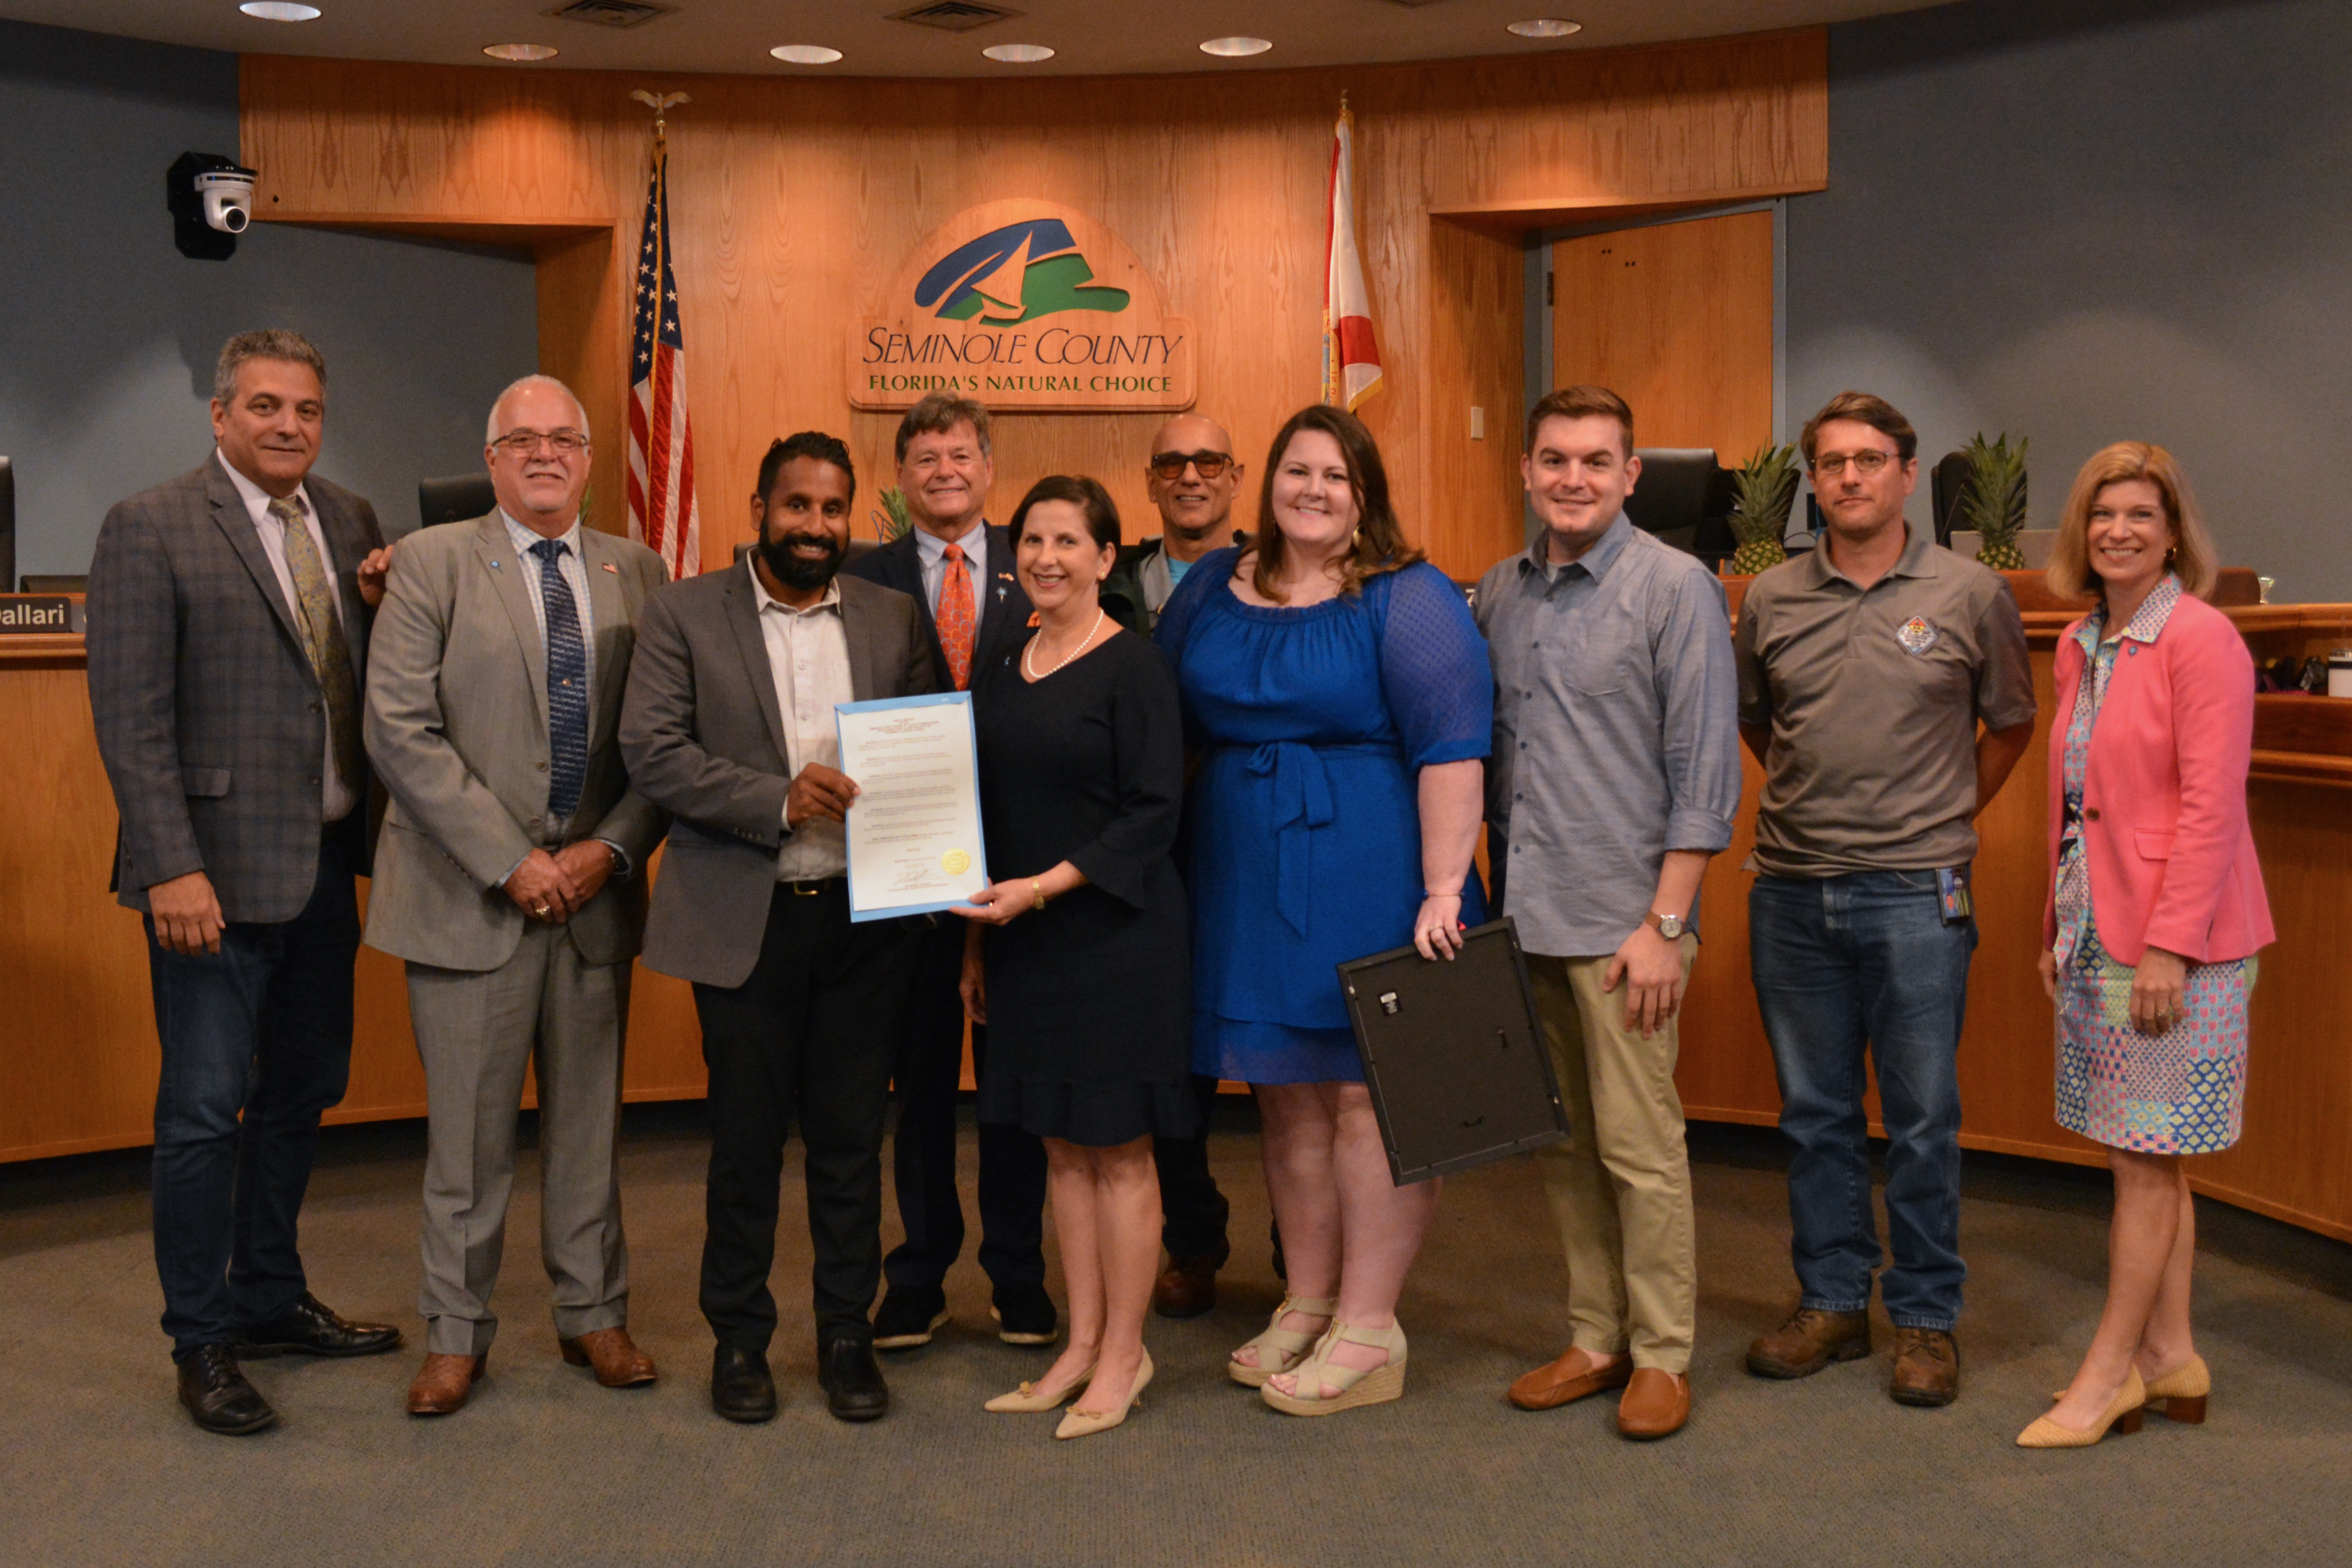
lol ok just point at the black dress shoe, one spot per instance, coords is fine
(219, 1397)
(1025, 1315)
(910, 1315)
(852, 1379)
(740, 1388)
(310, 1327)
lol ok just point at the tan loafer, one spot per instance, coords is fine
(444, 1383)
(618, 1362)
(1573, 1376)
(1656, 1405)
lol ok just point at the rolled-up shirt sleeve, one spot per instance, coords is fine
(1698, 697)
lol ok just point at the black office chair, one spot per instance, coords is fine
(7, 526)
(57, 582)
(1945, 484)
(1684, 497)
(457, 498)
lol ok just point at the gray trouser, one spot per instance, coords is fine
(475, 1032)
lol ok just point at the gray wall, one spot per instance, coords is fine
(109, 334)
(2088, 220)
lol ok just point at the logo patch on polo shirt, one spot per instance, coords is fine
(1916, 635)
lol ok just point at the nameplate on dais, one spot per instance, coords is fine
(22, 614)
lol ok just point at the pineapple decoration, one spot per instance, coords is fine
(891, 520)
(1992, 501)
(1763, 490)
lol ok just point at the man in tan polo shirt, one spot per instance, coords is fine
(1884, 687)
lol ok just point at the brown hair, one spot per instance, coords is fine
(1579, 403)
(1380, 544)
(939, 413)
(1093, 501)
(2192, 555)
(1868, 409)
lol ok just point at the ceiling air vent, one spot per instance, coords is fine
(955, 15)
(611, 13)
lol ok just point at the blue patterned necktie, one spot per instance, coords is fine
(567, 684)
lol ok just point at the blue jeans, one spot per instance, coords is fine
(1844, 965)
(257, 1043)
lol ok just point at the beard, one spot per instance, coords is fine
(797, 570)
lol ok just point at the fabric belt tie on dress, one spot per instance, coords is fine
(1302, 801)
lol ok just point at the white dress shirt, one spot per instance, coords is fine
(933, 551)
(335, 794)
(808, 659)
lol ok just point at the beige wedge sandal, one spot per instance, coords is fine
(1279, 1349)
(1354, 1385)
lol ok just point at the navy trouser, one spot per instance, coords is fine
(1193, 1210)
(256, 1043)
(1844, 966)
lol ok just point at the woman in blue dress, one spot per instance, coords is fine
(1342, 700)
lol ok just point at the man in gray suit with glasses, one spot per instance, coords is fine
(730, 726)
(510, 879)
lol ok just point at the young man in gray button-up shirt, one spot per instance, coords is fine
(1616, 775)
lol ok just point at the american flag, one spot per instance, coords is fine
(662, 513)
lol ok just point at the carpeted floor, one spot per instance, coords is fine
(546, 1468)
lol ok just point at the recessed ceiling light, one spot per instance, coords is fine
(1018, 53)
(1236, 47)
(520, 51)
(279, 11)
(1544, 27)
(806, 54)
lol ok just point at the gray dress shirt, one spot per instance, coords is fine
(1616, 732)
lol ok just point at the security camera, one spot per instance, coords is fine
(228, 199)
(211, 198)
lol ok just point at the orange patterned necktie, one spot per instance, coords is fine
(955, 617)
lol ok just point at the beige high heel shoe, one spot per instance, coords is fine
(2179, 1394)
(1086, 1422)
(1279, 1349)
(1355, 1385)
(1026, 1401)
(2123, 1414)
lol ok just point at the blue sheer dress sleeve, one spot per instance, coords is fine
(1183, 605)
(1434, 672)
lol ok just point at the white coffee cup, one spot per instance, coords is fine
(2339, 673)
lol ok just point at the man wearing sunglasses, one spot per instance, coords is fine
(507, 878)
(1192, 480)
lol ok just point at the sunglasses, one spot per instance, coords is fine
(1171, 465)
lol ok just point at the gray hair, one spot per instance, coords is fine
(270, 343)
(490, 432)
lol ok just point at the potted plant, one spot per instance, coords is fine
(1763, 489)
(1992, 501)
(890, 521)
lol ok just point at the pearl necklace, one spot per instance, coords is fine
(1030, 669)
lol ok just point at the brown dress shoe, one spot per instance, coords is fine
(1810, 1340)
(618, 1362)
(1927, 1368)
(1573, 1376)
(1656, 1404)
(444, 1381)
(1187, 1290)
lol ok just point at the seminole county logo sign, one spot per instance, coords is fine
(1024, 305)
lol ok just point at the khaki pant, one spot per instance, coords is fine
(1620, 1187)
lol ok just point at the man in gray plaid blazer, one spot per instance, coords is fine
(229, 612)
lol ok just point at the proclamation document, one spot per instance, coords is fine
(914, 829)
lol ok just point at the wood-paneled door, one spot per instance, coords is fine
(1677, 317)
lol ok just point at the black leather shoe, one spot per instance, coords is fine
(313, 1328)
(1025, 1315)
(740, 1388)
(852, 1379)
(910, 1315)
(219, 1397)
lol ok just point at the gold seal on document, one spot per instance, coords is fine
(955, 862)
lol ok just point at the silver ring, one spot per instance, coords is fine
(540, 912)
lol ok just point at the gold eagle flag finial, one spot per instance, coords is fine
(659, 103)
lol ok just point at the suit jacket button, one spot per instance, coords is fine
(542, 767)
(535, 824)
(314, 778)
(2090, 813)
(316, 706)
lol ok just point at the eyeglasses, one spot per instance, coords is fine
(1866, 462)
(566, 442)
(1171, 465)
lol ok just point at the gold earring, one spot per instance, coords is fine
(1355, 539)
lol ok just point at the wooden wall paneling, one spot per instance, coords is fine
(1477, 355)
(1677, 317)
(583, 343)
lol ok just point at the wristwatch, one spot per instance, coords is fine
(1671, 927)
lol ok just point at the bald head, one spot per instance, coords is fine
(1196, 508)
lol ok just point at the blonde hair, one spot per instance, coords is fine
(2191, 557)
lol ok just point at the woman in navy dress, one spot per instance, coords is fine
(1343, 702)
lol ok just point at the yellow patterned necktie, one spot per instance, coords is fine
(323, 636)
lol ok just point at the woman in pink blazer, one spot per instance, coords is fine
(2156, 910)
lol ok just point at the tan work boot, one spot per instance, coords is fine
(1927, 1368)
(1810, 1340)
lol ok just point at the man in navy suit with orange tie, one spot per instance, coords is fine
(959, 568)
